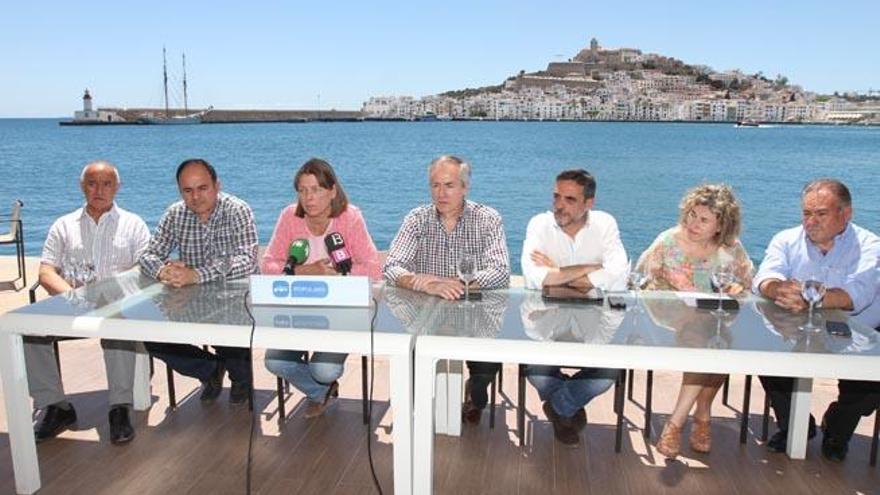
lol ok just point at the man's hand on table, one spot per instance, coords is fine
(787, 294)
(177, 274)
(447, 288)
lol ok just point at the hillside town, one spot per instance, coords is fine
(624, 84)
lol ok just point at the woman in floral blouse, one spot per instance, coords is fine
(683, 259)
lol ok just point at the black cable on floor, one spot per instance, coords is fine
(370, 400)
(254, 412)
(369, 404)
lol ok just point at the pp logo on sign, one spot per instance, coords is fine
(280, 288)
(309, 289)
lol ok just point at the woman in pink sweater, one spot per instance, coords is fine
(322, 208)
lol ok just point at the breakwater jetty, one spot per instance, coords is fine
(141, 116)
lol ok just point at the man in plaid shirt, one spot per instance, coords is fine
(216, 236)
(431, 240)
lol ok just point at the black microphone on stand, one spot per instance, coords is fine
(338, 253)
(297, 254)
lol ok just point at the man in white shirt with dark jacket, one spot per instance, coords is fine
(579, 247)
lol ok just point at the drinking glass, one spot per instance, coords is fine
(77, 270)
(466, 267)
(721, 279)
(223, 264)
(812, 290)
(635, 280)
(68, 270)
(70, 273)
(87, 272)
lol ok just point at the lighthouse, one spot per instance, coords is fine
(87, 102)
(88, 115)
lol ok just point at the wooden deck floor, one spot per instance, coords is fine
(202, 449)
(197, 449)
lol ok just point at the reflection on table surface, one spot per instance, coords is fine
(666, 319)
(662, 319)
(133, 296)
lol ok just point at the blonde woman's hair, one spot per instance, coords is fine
(720, 200)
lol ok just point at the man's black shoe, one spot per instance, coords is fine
(779, 441)
(471, 413)
(564, 429)
(238, 392)
(833, 449)
(121, 430)
(212, 387)
(54, 422)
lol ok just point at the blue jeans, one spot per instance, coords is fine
(194, 361)
(310, 376)
(568, 394)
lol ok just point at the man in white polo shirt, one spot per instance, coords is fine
(109, 239)
(579, 247)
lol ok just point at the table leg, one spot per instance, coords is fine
(423, 428)
(401, 406)
(441, 398)
(799, 418)
(454, 386)
(141, 390)
(25, 464)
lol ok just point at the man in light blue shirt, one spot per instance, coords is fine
(827, 246)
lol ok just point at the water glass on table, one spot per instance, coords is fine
(813, 291)
(635, 280)
(466, 268)
(78, 271)
(223, 264)
(722, 279)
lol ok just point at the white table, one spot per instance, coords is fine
(133, 307)
(669, 334)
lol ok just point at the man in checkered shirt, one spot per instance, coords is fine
(213, 232)
(431, 240)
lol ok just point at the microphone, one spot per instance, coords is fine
(338, 253)
(297, 254)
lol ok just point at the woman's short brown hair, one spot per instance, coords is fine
(326, 177)
(720, 200)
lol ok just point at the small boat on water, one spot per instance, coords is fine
(747, 123)
(195, 118)
(168, 119)
(433, 117)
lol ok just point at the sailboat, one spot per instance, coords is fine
(168, 119)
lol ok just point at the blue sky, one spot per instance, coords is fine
(337, 54)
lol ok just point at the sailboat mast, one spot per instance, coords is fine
(165, 82)
(185, 102)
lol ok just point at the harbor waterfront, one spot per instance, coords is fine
(642, 169)
(176, 443)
